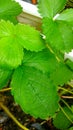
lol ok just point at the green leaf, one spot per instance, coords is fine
(9, 8)
(70, 64)
(61, 75)
(11, 53)
(12, 41)
(72, 108)
(5, 76)
(42, 60)
(61, 121)
(59, 34)
(12, 19)
(71, 128)
(7, 29)
(66, 15)
(34, 92)
(29, 38)
(49, 8)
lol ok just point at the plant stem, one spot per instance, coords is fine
(65, 114)
(70, 84)
(67, 97)
(12, 117)
(65, 90)
(67, 105)
(5, 89)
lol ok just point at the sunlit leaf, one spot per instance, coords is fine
(11, 53)
(59, 35)
(9, 8)
(5, 76)
(29, 38)
(66, 15)
(12, 41)
(49, 8)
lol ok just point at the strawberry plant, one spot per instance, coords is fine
(39, 74)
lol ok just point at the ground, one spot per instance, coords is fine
(6, 123)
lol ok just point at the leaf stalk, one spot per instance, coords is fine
(12, 117)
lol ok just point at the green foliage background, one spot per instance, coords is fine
(35, 66)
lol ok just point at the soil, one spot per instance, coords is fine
(6, 123)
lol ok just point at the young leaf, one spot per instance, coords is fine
(59, 34)
(42, 60)
(34, 92)
(61, 121)
(11, 53)
(4, 77)
(49, 8)
(29, 38)
(9, 8)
